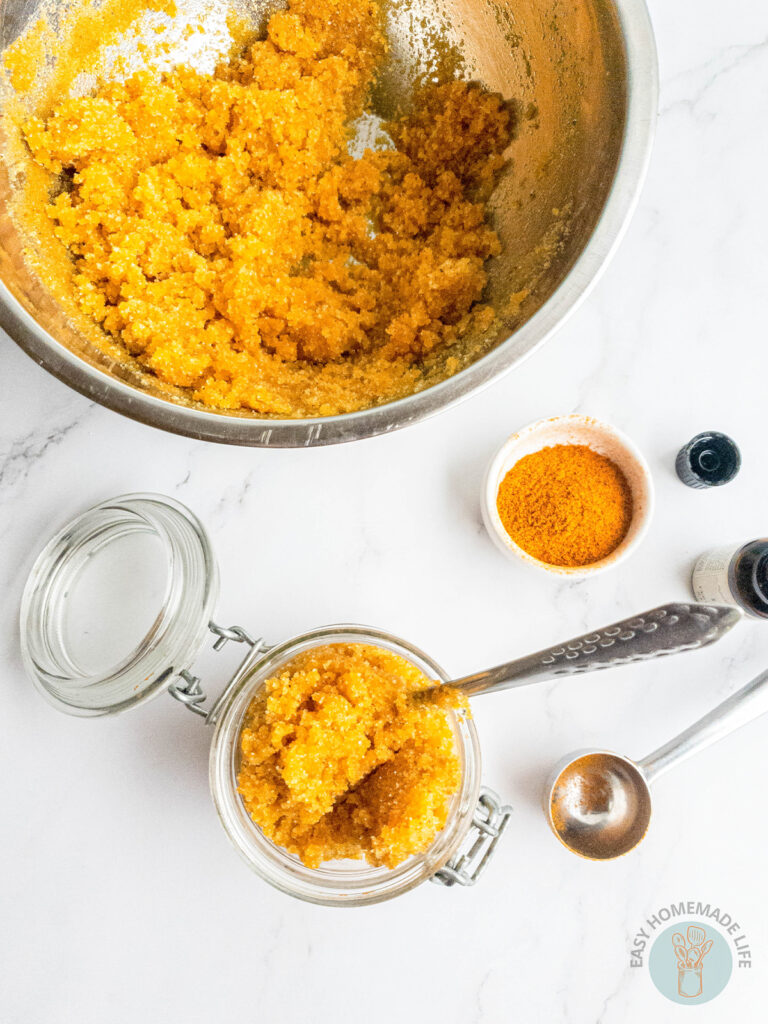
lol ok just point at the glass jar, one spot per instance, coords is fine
(115, 611)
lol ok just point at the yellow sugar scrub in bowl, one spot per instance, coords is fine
(569, 495)
(290, 223)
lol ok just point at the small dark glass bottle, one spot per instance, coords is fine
(708, 460)
(735, 576)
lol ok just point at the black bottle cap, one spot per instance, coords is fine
(708, 460)
(748, 577)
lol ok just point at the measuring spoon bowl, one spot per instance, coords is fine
(598, 804)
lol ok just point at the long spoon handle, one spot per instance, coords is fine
(748, 703)
(669, 629)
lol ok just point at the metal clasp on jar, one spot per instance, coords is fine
(188, 689)
(490, 819)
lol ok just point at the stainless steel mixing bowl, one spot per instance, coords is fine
(584, 78)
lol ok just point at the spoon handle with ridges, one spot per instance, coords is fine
(668, 629)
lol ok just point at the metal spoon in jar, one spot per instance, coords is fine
(599, 803)
(669, 629)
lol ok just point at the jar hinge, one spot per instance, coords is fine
(489, 822)
(187, 688)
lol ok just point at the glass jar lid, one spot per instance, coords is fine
(118, 604)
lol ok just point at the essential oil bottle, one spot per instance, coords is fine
(708, 460)
(735, 576)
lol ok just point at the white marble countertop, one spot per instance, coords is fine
(120, 897)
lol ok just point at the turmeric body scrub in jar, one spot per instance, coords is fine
(380, 792)
(570, 495)
(337, 761)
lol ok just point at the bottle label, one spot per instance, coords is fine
(710, 577)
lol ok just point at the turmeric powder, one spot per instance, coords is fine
(566, 505)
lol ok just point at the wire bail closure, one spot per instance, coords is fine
(188, 689)
(488, 824)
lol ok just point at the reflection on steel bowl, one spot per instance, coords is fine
(584, 83)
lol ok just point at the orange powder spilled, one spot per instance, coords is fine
(224, 237)
(337, 760)
(566, 505)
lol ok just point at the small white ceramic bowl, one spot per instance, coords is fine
(601, 438)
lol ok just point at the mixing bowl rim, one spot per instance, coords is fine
(176, 417)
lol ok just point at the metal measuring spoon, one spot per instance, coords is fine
(599, 803)
(669, 629)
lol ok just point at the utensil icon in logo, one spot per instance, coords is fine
(696, 935)
(689, 960)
